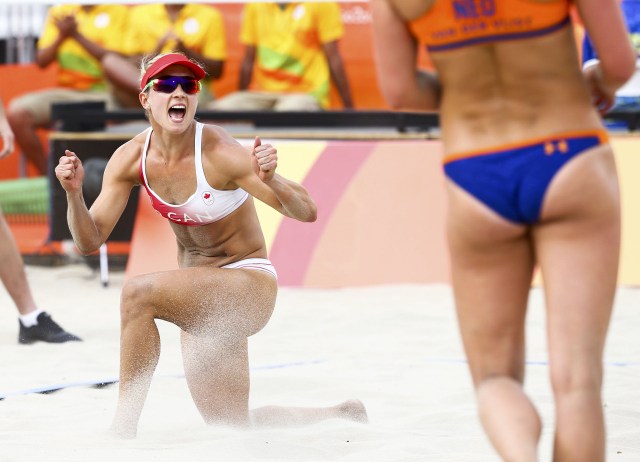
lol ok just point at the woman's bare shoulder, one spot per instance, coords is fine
(217, 140)
(126, 158)
(217, 133)
(224, 151)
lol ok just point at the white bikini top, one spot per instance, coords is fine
(206, 205)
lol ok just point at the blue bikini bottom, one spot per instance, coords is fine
(512, 181)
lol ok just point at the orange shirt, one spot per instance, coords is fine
(451, 24)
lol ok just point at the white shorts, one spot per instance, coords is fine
(261, 264)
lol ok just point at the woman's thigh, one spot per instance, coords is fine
(39, 103)
(297, 102)
(204, 300)
(244, 101)
(492, 264)
(578, 246)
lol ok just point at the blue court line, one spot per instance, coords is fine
(531, 362)
(100, 383)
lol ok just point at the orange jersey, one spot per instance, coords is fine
(451, 24)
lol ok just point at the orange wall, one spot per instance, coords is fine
(18, 79)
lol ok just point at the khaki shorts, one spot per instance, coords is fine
(263, 101)
(38, 103)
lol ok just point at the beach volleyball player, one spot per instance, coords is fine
(531, 182)
(203, 182)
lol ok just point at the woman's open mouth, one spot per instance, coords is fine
(177, 112)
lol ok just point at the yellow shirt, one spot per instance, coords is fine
(102, 24)
(288, 41)
(199, 27)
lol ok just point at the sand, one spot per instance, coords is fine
(395, 347)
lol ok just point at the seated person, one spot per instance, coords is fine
(291, 57)
(75, 38)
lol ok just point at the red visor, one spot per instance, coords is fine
(169, 60)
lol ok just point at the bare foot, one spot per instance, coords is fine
(353, 409)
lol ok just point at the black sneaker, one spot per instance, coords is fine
(46, 330)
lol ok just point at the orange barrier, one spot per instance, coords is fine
(18, 79)
(31, 238)
(153, 244)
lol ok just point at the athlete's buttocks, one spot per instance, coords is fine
(531, 189)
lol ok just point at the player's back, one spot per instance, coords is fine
(509, 69)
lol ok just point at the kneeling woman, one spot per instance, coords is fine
(203, 181)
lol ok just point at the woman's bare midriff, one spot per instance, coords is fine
(233, 238)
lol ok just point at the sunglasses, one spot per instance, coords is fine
(169, 84)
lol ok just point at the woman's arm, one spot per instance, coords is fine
(255, 172)
(403, 85)
(91, 228)
(49, 54)
(337, 72)
(246, 68)
(6, 134)
(605, 25)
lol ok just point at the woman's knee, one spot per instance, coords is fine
(503, 360)
(134, 300)
(489, 385)
(19, 116)
(482, 379)
(573, 378)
